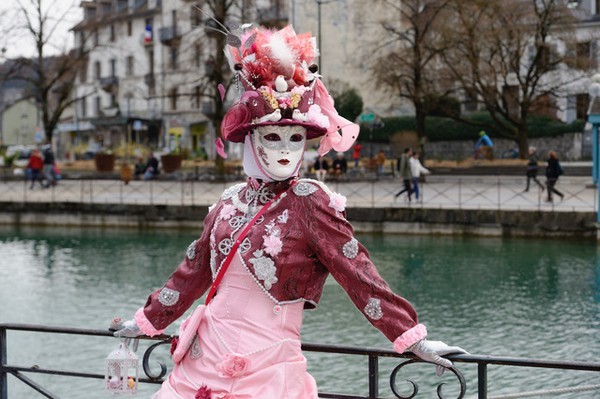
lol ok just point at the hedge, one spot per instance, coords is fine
(445, 129)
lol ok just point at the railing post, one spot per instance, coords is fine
(3, 357)
(482, 381)
(373, 376)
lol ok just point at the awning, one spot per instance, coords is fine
(74, 127)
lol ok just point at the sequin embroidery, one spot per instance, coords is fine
(195, 350)
(265, 269)
(168, 297)
(373, 309)
(191, 251)
(302, 189)
(350, 249)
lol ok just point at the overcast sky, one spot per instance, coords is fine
(62, 13)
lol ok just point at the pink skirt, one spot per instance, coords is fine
(246, 346)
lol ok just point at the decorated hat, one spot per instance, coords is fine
(281, 86)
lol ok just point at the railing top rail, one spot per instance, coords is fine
(340, 349)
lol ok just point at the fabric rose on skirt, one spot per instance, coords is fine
(233, 366)
(204, 392)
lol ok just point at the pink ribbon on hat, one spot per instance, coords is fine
(332, 138)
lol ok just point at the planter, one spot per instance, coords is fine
(170, 163)
(104, 162)
(126, 173)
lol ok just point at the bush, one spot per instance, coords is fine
(445, 129)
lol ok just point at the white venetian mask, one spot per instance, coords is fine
(279, 150)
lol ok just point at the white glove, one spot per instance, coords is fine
(128, 329)
(432, 351)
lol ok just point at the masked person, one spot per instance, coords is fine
(269, 244)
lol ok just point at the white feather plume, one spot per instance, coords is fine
(282, 52)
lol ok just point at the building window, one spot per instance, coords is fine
(112, 33)
(151, 61)
(198, 55)
(173, 57)
(83, 107)
(130, 61)
(196, 15)
(113, 67)
(129, 28)
(173, 98)
(583, 102)
(83, 73)
(96, 39)
(98, 106)
(197, 97)
(597, 10)
(97, 70)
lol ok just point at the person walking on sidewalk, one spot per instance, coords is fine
(34, 167)
(403, 167)
(553, 171)
(416, 168)
(532, 169)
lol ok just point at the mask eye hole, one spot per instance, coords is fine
(272, 137)
(296, 138)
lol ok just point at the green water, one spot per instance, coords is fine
(524, 298)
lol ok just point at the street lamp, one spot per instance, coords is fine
(594, 119)
(319, 3)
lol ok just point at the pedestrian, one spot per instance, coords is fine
(532, 169)
(269, 244)
(380, 162)
(484, 147)
(356, 154)
(151, 167)
(340, 165)
(35, 165)
(403, 166)
(48, 156)
(416, 168)
(553, 171)
(321, 166)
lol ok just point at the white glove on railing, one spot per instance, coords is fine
(128, 329)
(432, 351)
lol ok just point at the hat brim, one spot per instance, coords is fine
(312, 131)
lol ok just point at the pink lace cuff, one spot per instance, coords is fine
(145, 325)
(409, 338)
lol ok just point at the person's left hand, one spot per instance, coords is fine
(432, 351)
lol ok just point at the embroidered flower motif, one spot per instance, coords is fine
(232, 366)
(227, 211)
(283, 218)
(204, 392)
(168, 297)
(174, 343)
(264, 268)
(337, 202)
(373, 309)
(350, 249)
(195, 350)
(272, 244)
(191, 251)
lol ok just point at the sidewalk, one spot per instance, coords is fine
(438, 192)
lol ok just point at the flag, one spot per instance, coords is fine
(148, 34)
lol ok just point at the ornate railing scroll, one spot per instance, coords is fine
(415, 386)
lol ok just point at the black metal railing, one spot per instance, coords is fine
(373, 355)
(438, 192)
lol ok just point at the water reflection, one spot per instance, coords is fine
(524, 298)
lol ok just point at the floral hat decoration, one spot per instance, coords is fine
(277, 71)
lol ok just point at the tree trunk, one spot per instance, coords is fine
(420, 119)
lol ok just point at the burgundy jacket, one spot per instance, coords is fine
(291, 249)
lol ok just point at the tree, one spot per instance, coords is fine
(406, 63)
(507, 55)
(50, 77)
(348, 102)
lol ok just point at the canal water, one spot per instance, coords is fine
(491, 296)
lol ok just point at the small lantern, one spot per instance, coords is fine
(122, 370)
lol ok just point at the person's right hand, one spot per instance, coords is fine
(129, 329)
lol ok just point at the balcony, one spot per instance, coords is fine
(109, 84)
(169, 35)
(273, 17)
